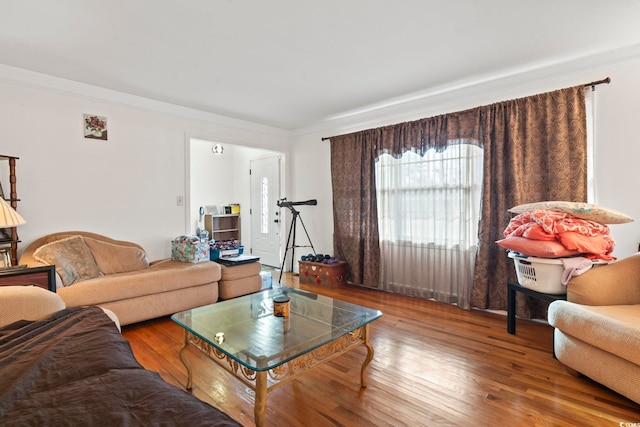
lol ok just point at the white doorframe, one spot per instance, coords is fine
(188, 223)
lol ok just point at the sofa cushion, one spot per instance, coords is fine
(233, 272)
(162, 276)
(72, 258)
(613, 328)
(228, 289)
(112, 258)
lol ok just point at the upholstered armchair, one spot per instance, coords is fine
(32, 303)
(27, 303)
(597, 330)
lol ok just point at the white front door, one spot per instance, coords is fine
(265, 214)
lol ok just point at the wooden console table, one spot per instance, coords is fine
(44, 277)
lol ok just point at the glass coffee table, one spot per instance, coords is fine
(265, 351)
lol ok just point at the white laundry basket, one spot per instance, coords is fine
(539, 274)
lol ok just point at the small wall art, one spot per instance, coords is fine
(95, 127)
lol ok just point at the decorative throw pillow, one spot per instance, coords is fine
(112, 258)
(536, 248)
(51, 239)
(72, 258)
(579, 210)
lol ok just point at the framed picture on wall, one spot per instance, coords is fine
(95, 127)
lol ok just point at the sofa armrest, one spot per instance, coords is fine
(617, 283)
(27, 303)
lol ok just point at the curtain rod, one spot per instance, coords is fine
(595, 83)
(599, 82)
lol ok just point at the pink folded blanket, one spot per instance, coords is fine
(574, 266)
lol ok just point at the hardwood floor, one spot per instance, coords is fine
(434, 365)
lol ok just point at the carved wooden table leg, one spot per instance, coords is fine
(183, 357)
(367, 360)
(261, 398)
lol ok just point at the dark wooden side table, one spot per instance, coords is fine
(512, 288)
(44, 277)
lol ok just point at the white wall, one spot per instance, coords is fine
(617, 153)
(616, 156)
(210, 178)
(310, 166)
(125, 187)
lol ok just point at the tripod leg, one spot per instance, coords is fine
(308, 238)
(293, 246)
(284, 259)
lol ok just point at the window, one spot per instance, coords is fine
(428, 213)
(430, 199)
(264, 223)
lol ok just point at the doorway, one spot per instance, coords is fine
(222, 179)
(265, 214)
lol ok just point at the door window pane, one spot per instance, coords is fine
(264, 223)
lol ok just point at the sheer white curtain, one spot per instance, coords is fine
(428, 211)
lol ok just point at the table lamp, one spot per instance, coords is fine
(9, 218)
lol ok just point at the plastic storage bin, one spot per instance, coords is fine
(267, 279)
(214, 254)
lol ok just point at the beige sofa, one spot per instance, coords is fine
(597, 330)
(92, 269)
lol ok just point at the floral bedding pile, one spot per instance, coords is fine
(548, 233)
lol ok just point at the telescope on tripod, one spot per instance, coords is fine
(284, 203)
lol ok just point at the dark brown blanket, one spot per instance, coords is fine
(75, 369)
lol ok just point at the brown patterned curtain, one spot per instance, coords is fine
(355, 213)
(534, 150)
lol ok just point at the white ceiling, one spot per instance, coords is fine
(293, 63)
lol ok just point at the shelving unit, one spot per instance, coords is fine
(223, 227)
(9, 236)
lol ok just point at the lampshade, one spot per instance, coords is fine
(8, 216)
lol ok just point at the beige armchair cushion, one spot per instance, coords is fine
(27, 303)
(617, 283)
(613, 328)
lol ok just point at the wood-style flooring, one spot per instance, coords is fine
(434, 365)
